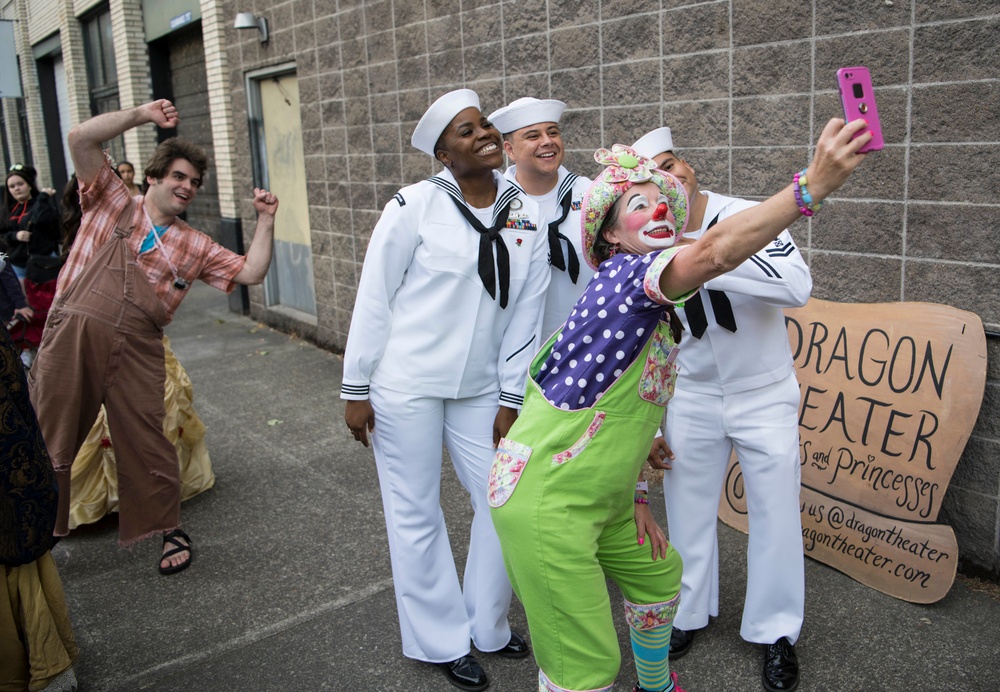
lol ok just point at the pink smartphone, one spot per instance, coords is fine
(858, 98)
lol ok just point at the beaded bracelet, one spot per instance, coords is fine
(803, 208)
(807, 200)
(641, 499)
(804, 191)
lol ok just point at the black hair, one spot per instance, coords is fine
(71, 213)
(26, 173)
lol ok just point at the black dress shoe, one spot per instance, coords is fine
(516, 647)
(680, 643)
(781, 667)
(465, 673)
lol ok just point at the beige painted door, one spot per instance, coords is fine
(290, 281)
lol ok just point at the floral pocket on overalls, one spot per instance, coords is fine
(508, 464)
(660, 372)
(581, 444)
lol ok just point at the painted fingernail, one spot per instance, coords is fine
(641, 541)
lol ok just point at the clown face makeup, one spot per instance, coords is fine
(618, 184)
(646, 222)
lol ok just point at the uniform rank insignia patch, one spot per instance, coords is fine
(399, 198)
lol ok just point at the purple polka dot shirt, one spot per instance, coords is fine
(606, 331)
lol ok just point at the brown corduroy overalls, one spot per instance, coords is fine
(103, 344)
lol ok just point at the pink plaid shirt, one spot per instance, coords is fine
(194, 254)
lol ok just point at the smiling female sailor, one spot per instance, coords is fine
(438, 350)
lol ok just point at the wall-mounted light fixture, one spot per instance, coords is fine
(247, 20)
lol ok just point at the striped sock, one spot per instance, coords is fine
(651, 648)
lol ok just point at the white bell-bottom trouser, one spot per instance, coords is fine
(437, 617)
(702, 430)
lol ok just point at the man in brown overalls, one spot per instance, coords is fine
(129, 268)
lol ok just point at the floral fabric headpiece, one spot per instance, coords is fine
(625, 168)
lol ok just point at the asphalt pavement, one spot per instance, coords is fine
(290, 588)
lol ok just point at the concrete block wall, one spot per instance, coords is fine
(747, 86)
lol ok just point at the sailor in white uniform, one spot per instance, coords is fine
(736, 388)
(441, 336)
(533, 142)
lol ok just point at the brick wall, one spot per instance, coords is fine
(213, 22)
(746, 84)
(29, 87)
(43, 18)
(134, 87)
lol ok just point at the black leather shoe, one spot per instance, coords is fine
(680, 643)
(781, 667)
(516, 647)
(465, 673)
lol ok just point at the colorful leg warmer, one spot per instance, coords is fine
(650, 627)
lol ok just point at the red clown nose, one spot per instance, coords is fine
(661, 212)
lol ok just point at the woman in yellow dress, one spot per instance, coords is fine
(94, 480)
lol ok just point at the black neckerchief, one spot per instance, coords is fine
(555, 247)
(694, 309)
(487, 237)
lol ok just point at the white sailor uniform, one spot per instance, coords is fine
(738, 389)
(436, 355)
(563, 292)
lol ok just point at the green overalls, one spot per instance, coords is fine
(562, 492)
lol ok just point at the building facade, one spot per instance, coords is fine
(321, 112)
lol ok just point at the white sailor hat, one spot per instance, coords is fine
(435, 119)
(526, 111)
(654, 143)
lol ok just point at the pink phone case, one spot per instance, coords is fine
(858, 98)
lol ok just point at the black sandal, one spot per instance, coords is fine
(171, 538)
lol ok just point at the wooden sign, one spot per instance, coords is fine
(889, 396)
